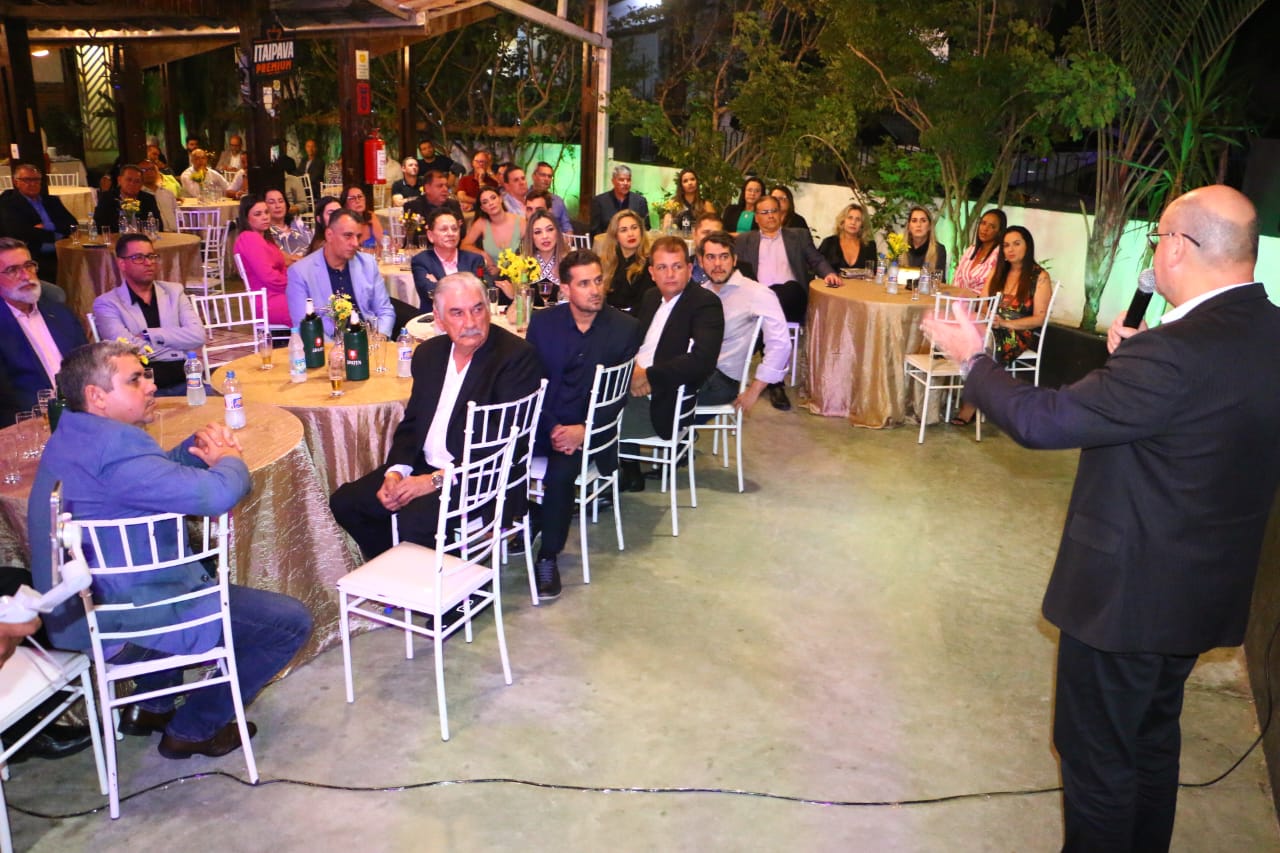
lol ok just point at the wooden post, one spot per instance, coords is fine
(260, 129)
(127, 77)
(595, 82)
(406, 109)
(20, 93)
(354, 127)
(173, 141)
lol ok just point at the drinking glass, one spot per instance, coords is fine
(93, 232)
(74, 233)
(10, 458)
(25, 430)
(266, 346)
(871, 270)
(378, 351)
(493, 293)
(337, 370)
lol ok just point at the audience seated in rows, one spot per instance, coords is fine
(442, 257)
(624, 252)
(31, 214)
(849, 245)
(266, 264)
(740, 216)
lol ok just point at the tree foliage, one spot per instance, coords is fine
(1159, 43)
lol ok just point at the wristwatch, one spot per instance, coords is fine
(437, 481)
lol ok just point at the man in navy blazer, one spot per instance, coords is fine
(340, 266)
(1178, 470)
(471, 361)
(681, 328)
(35, 332)
(110, 468)
(605, 205)
(36, 218)
(444, 257)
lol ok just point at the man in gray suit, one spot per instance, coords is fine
(151, 314)
(1177, 474)
(782, 259)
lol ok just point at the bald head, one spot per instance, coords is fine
(1209, 239)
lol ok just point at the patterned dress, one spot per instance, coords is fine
(1007, 344)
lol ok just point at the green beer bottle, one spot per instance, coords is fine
(311, 330)
(355, 340)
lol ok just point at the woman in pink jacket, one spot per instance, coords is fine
(265, 264)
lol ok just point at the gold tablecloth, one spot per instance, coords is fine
(858, 337)
(77, 200)
(86, 272)
(347, 436)
(283, 536)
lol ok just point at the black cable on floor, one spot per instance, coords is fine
(589, 789)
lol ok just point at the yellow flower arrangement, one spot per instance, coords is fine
(340, 309)
(130, 206)
(672, 206)
(518, 269)
(896, 244)
(142, 352)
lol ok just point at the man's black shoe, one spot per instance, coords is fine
(56, 741)
(547, 574)
(778, 397)
(225, 740)
(629, 477)
(139, 722)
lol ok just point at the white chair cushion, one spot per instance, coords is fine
(402, 576)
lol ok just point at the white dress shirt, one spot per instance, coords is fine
(644, 357)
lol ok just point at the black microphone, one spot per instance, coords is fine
(1141, 298)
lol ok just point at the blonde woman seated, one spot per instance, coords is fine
(849, 245)
(976, 265)
(544, 242)
(922, 245)
(624, 257)
(1024, 289)
(495, 228)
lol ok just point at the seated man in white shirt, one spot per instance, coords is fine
(199, 178)
(471, 361)
(743, 300)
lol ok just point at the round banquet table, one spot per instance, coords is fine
(283, 537)
(77, 200)
(86, 271)
(858, 338)
(399, 280)
(228, 208)
(347, 436)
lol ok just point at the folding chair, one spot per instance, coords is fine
(232, 323)
(609, 391)
(667, 452)
(1028, 361)
(206, 223)
(434, 581)
(932, 370)
(119, 549)
(726, 418)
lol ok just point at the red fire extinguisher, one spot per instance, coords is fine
(375, 158)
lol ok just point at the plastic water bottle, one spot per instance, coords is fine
(194, 369)
(386, 249)
(924, 287)
(880, 270)
(297, 358)
(233, 401)
(892, 286)
(404, 349)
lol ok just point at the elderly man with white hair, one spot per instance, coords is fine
(471, 361)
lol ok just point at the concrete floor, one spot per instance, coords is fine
(861, 625)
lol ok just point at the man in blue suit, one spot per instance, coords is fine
(1178, 469)
(35, 332)
(37, 218)
(444, 257)
(340, 267)
(110, 468)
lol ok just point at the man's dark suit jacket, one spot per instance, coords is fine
(605, 205)
(18, 219)
(806, 262)
(425, 263)
(698, 316)
(1179, 466)
(314, 168)
(23, 373)
(107, 213)
(503, 369)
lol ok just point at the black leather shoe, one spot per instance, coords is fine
(630, 479)
(139, 722)
(54, 741)
(226, 740)
(547, 573)
(778, 397)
